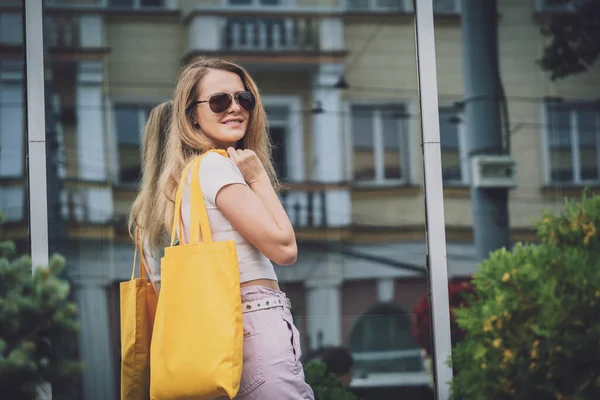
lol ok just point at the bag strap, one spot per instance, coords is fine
(139, 245)
(177, 210)
(198, 213)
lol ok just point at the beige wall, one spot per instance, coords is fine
(189, 5)
(145, 54)
(144, 59)
(388, 65)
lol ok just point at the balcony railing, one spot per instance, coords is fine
(63, 31)
(265, 30)
(271, 33)
(306, 208)
(70, 30)
(82, 202)
(317, 205)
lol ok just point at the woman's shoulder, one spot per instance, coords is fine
(214, 161)
(216, 172)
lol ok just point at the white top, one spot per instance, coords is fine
(216, 172)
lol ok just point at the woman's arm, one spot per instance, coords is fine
(256, 212)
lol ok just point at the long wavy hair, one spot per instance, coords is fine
(186, 141)
(153, 145)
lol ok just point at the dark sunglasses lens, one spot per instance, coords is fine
(219, 103)
(246, 100)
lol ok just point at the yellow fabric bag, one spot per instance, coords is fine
(138, 306)
(196, 350)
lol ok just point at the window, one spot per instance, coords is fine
(573, 143)
(135, 4)
(130, 121)
(379, 143)
(278, 131)
(381, 342)
(566, 6)
(381, 5)
(439, 6)
(10, 29)
(256, 3)
(451, 142)
(446, 6)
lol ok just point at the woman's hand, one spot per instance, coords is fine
(256, 211)
(249, 164)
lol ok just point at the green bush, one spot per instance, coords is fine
(325, 386)
(532, 328)
(38, 329)
(575, 227)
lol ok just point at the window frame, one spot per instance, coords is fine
(255, 4)
(572, 106)
(143, 109)
(407, 7)
(137, 5)
(462, 145)
(294, 133)
(391, 378)
(543, 7)
(405, 144)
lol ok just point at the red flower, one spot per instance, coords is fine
(421, 328)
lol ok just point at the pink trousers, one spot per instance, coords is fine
(272, 368)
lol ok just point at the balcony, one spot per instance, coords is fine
(87, 203)
(265, 35)
(306, 208)
(65, 30)
(316, 209)
(271, 33)
(71, 31)
(87, 208)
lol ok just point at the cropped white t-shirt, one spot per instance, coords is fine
(216, 172)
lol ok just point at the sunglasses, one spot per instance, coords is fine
(220, 102)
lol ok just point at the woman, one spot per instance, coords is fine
(216, 105)
(153, 145)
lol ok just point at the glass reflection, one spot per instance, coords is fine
(347, 153)
(13, 181)
(549, 127)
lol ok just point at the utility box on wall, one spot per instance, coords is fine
(494, 171)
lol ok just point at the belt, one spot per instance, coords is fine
(263, 304)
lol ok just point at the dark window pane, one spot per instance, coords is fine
(559, 128)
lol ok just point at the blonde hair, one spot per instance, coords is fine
(153, 147)
(186, 142)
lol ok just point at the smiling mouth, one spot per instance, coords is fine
(233, 122)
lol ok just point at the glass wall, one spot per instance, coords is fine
(340, 89)
(519, 132)
(519, 136)
(13, 142)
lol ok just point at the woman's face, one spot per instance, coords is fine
(219, 115)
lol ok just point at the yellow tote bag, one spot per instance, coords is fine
(196, 350)
(138, 306)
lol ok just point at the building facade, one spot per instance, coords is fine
(338, 79)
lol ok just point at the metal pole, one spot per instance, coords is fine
(36, 132)
(36, 143)
(483, 98)
(434, 197)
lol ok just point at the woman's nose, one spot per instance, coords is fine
(234, 107)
